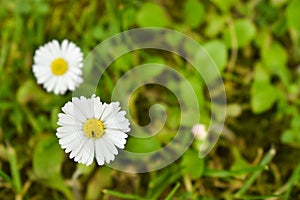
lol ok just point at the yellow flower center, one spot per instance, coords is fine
(59, 66)
(93, 128)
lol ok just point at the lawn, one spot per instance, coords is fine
(211, 90)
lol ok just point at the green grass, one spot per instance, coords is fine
(255, 45)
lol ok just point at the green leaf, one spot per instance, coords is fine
(194, 13)
(280, 27)
(173, 120)
(98, 32)
(262, 38)
(143, 145)
(278, 3)
(188, 95)
(215, 25)
(153, 69)
(260, 73)
(274, 56)
(288, 136)
(57, 182)
(263, 96)
(123, 63)
(152, 15)
(218, 52)
(154, 59)
(275, 59)
(128, 18)
(197, 84)
(188, 118)
(30, 91)
(224, 5)
(192, 164)
(205, 65)
(293, 14)
(291, 136)
(47, 158)
(239, 162)
(245, 32)
(296, 122)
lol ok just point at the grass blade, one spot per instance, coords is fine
(121, 195)
(12, 157)
(5, 177)
(171, 194)
(265, 161)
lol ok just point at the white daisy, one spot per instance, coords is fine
(58, 67)
(91, 129)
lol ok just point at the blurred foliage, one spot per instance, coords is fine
(254, 43)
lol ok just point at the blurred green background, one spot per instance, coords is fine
(254, 43)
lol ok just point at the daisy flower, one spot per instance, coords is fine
(90, 129)
(58, 67)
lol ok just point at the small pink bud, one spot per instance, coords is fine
(199, 131)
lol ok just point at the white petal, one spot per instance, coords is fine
(88, 152)
(63, 87)
(107, 154)
(107, 111)
(70, 83)
(39, 70)
(98, 108)
(66, 140)
(56, 88)
(78, 157)
(68, 146)
(91, 157)
(43, 53)
(49, 85)
(86, 105)
(99, 152)
(114, 125)
(71, 110)
(68, 109)
(110, 110)
(104, 151)
(116, 133)
(79, 115)
(72, 129)
(109, 144)
(44, 78)
(100, 162)
(64, 46)
(119, 142)
(54, 48)
(76, 152)
(72, 146)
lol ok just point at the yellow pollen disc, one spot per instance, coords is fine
(93, 128)
(59, 66)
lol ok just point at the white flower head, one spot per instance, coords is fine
(90, 129)
(58, 67)
(199, 131)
